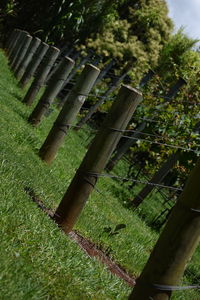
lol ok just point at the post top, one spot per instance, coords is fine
(70, 59)
(45, 44)
(137, 91)
(93, 67)
(55, 49)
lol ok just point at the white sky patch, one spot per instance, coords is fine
(186, 13)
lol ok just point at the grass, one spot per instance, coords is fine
(38, 261)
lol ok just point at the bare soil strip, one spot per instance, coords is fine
(88, 247)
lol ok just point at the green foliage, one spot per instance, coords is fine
(120, 29)
(140, 30)
(177, 58)
(116, 42)
(58, 21)
(149, 22)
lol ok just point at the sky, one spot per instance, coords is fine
(186, 13)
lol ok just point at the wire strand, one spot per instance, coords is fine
(133, 180)
(163, 144)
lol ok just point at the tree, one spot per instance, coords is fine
(139, 29)
(176, 55)
(58, 21)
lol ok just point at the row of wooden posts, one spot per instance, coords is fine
(180, 237)
(106, 139)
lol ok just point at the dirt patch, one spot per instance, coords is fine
(90, 248)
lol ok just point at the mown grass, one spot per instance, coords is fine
(38, 261)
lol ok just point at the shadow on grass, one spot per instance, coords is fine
(16, 95)
(23, 115)
(125, 198)
(122, 193)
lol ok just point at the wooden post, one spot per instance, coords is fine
(100, 77)
(74, 57)
(34, 64)
(43, 71)
(23, 52)
(22, 45)
(73, 73)
(13, 46)
(66, 50)
(105, 70)
(125, 147)
(147, 77)
(96, 158)
(174, 247)
(114, 84)
(11, 41)
(18, 47)
(30, 52)
(157, 178)
(175, 89)
(52, 90)
(68, 113)
(54, 68)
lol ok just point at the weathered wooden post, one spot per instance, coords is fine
(68, 113)
(74, 57)
(24, 40)
(18, 46)
(11, 41)
(114, 84)
(175, 89)
(67, 54)
(34, 64)
(157, 178)
(54, 68)
(130, 142)
(96, 158)
(52, 90)
(30, 52)
(23, 52)
(73, 73)
(175, 246)
(125, 146)
(105, 70)
(100, 77)
(43, 71)
(10, 38)
(147, 77)
(13, 45)
(66, 50)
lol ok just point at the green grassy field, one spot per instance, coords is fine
(37, 260)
